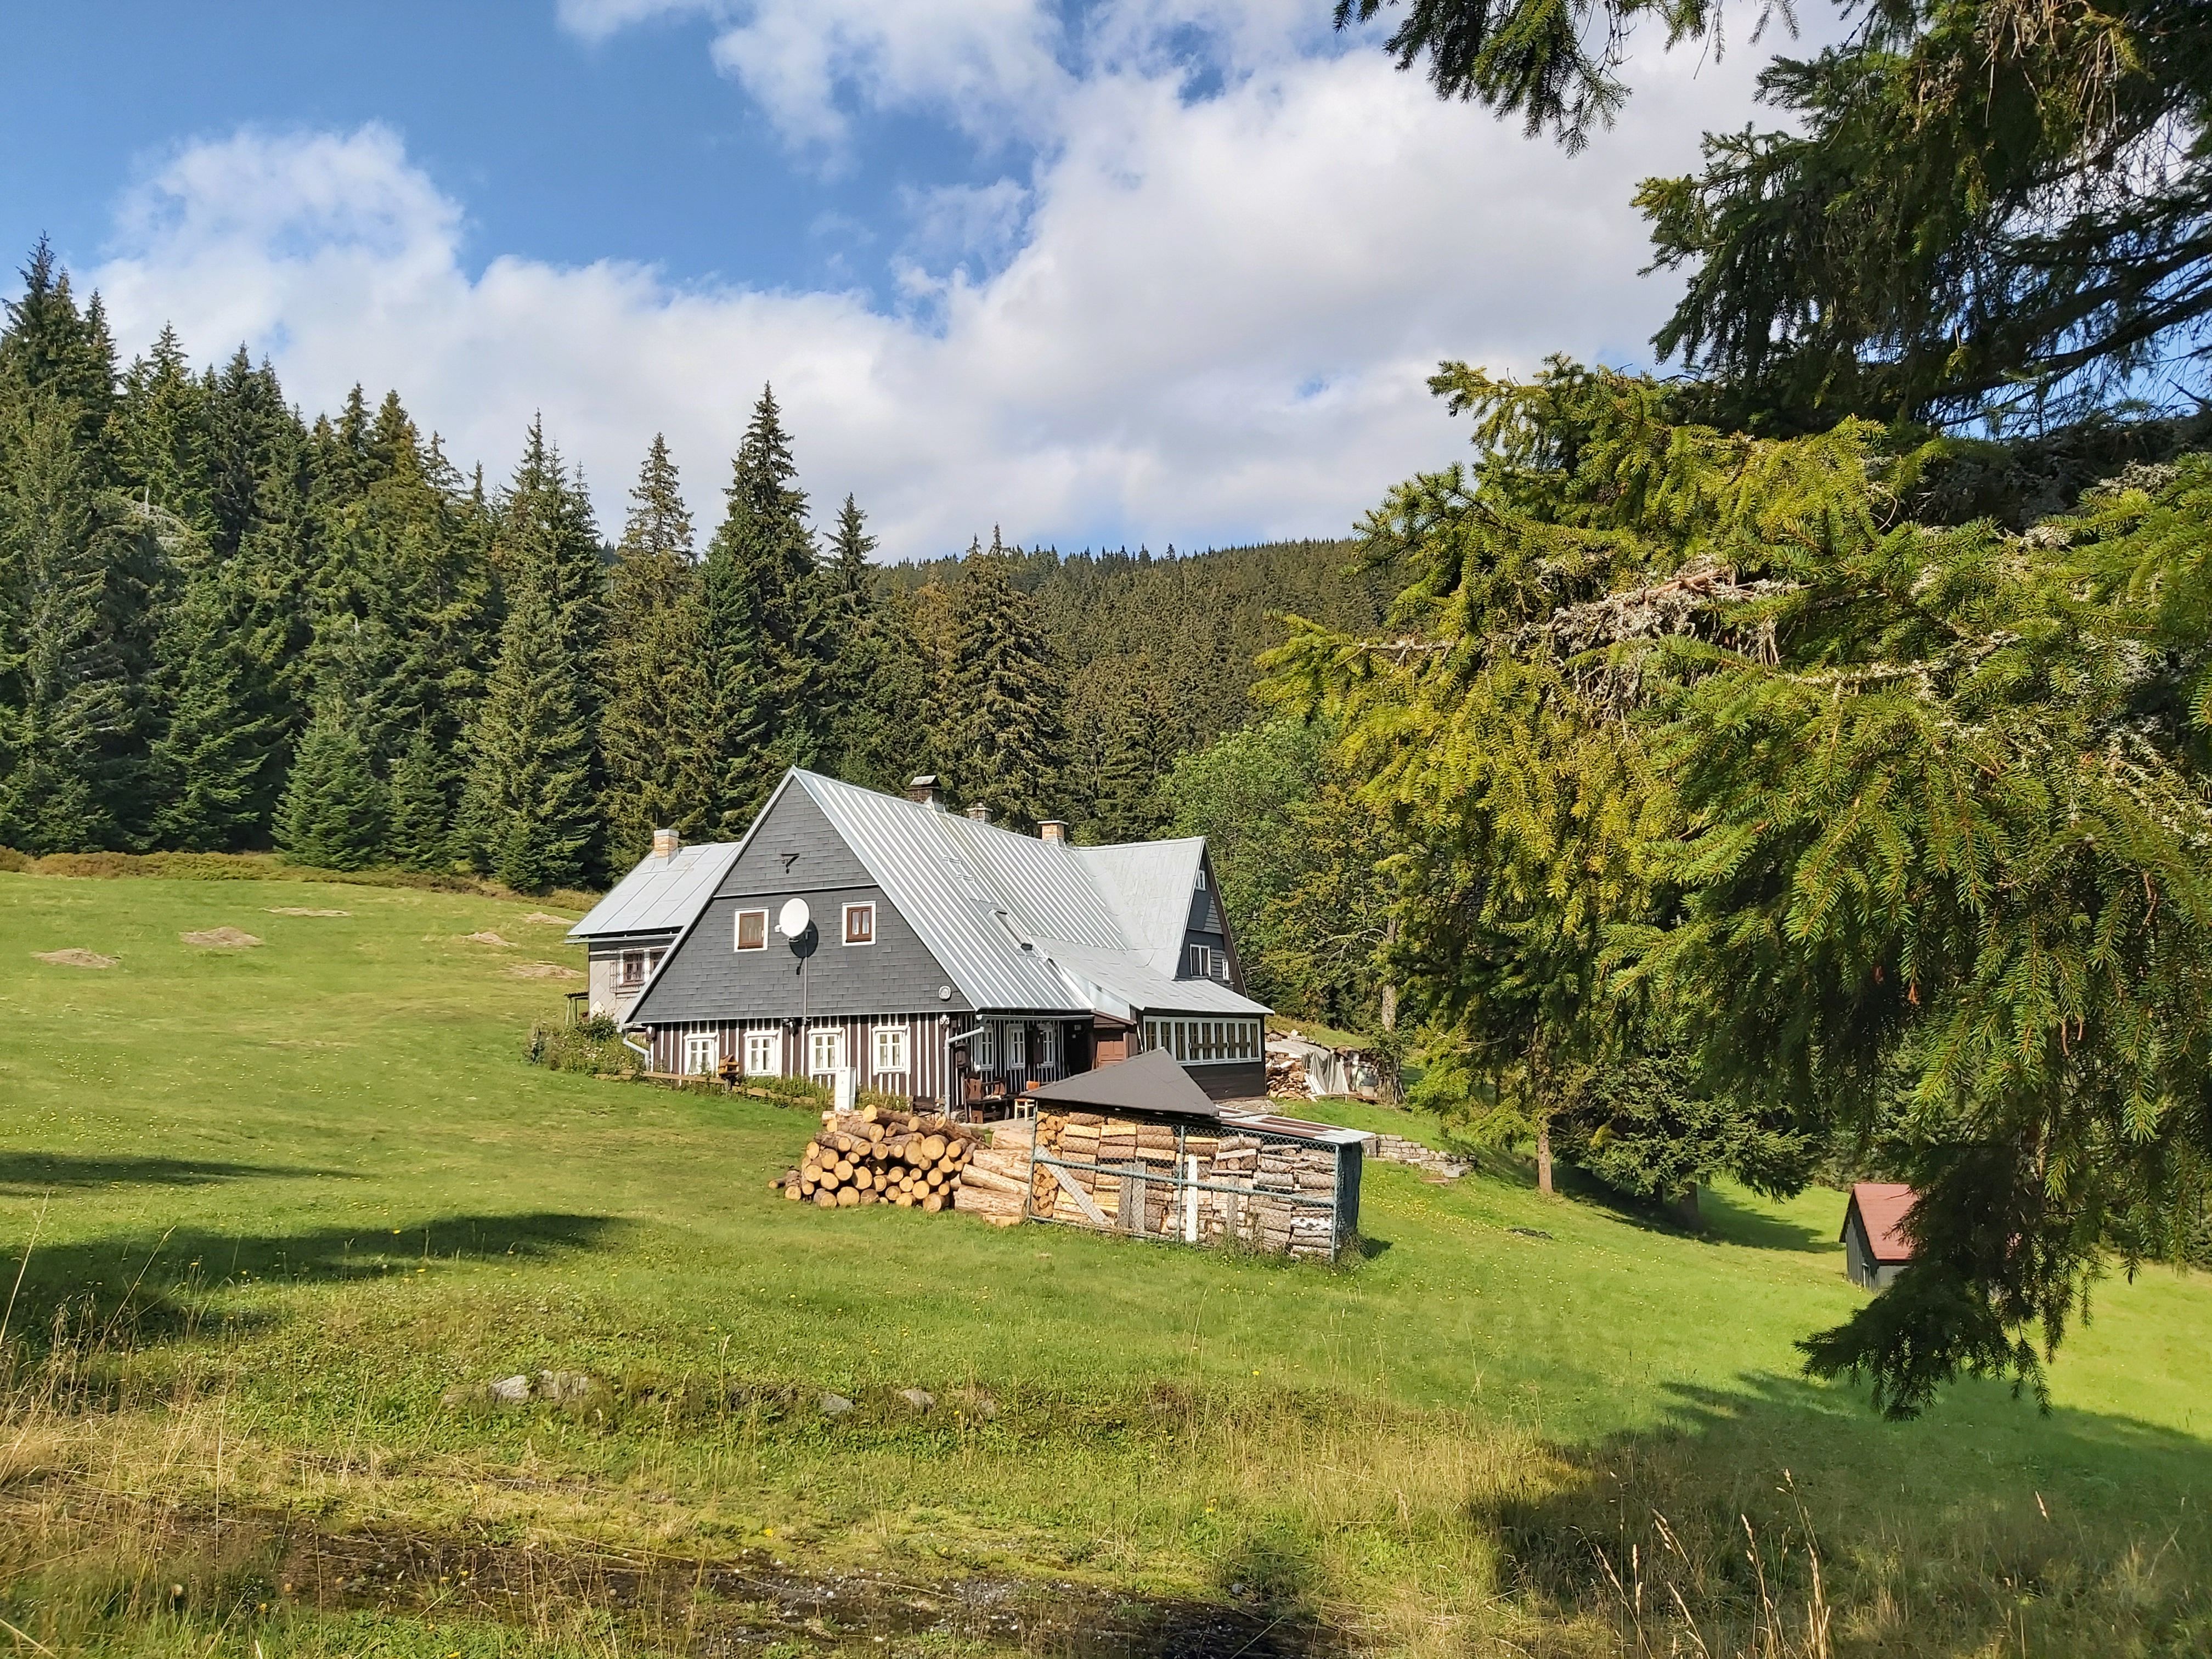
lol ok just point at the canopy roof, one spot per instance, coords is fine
(1151, 1082)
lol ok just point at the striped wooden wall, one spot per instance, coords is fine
(926, 1048)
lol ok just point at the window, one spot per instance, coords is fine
(1197, 954)
(1206, 962)
(1205, 1042)
(1018, 1047)
(826, 1049)
(1217, 965)
(633, 967)
(752, 930)
(1201, 879)
(860, 924)
(763, 1053)
(703, 1054)
(653, 960)
(890, 1049)
(983, 1049)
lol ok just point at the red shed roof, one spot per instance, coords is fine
(1882, 1207)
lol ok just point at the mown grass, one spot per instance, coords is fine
(289, 1199)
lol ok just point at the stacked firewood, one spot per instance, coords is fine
(1287, 1077)
(915, 1160)
(995, 1182)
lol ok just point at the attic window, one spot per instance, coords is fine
(752, 930)
(1201, 879)
(860, 924)
(633, 967)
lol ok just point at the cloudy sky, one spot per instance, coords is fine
(1157, 272)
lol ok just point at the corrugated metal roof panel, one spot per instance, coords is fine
(1127, 980)
(1149, 885)
(659, 895)
(912, 853)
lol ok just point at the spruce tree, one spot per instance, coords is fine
(332, 813)
(766, 624)
(656, 734)
(530, 817)
(161, 436)
(207, 768)
(867, 728)
(1000, 695)
(65, 697)
(417, 832)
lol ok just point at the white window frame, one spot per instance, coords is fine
(1217, 962)
(1196, 961)
(767, 1047)
(702, 1045)
(815, 1035)
(1046, 1046)
(738, 932)
(867, 909)
(1017, 1045)
(892, 1051)
(1201, 879)
(983, 1047)
(1195, 1041)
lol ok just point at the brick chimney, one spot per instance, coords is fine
(980, 813)
(666, 843)
(1052, 830)
(924, 791)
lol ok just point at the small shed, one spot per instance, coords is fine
(1876, 1248)
(1137, 1148)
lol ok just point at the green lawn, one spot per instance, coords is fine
(287, 1197)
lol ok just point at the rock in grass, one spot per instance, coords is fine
(920, 1399)
(836, 1404)
(510, 1390)
(226, 939)
(563, 1386)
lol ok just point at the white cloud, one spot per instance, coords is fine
(1205, 318)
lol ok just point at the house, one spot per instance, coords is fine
(1876, 1248)
(629, 931)
(875, 942)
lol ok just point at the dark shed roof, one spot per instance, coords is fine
(1151, 1082)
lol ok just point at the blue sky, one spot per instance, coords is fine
(1157, 271)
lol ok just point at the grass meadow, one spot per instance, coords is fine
(269, 1216)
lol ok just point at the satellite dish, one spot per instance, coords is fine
(794, 919)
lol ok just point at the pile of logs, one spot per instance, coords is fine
(1287, 1077)
(995, 1182)
(915, 1160)
(1266, 1192)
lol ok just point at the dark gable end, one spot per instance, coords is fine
(793, 852)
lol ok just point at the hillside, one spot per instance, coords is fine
(287, 1204)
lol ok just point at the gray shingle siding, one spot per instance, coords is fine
(708, 979)
(793, 852)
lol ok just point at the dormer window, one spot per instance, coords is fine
(860, 924)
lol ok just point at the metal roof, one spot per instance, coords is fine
(659, 895)
(1149, 883)
(1020, 923)
(1882, 1207)
(1150, 1082)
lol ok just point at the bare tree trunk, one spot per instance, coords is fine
(1390, 986)
(1544, 1156)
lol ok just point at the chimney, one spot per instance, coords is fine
(980, 813)
(1052, 830)
(923, 790)
(666, 843)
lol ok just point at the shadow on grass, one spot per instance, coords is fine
(32, 1173)
(1984, 1527)
(122, 1291)
(1738, 1224)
